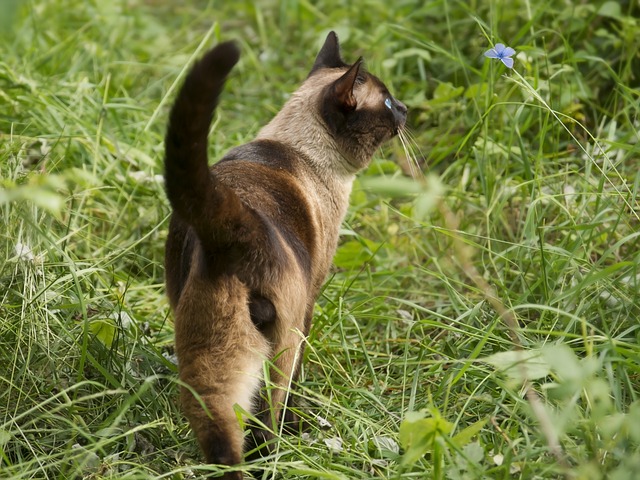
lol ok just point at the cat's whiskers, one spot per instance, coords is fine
(410, 146)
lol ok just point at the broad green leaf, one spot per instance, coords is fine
(5, 436)
(412, 417)
(416, 439)
(382, 167)
(445, 92)
(488, 147)
(565, 363)
(612, 425)
(424, 204)
(104, 329)
(354, 253)
(476, 90)
(334, 444)
(85, 459)
(610, 9)
(417, 435)
(381, 445)
(520, 364)
(633, 421)
(38, 195)
(465, 436)
(391, 186)
(598, 394)
(474, 452)
(429, 192)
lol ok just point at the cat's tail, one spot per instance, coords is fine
(220, 350)
(191, 189)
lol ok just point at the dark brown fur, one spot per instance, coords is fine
(251, 239)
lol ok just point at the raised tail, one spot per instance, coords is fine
(188, 182)
(220, 350)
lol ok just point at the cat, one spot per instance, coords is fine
(251, 239)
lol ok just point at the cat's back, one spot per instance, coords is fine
(272, 179)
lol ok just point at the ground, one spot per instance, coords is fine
(482, 317)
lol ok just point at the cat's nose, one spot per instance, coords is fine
(401, 107)
(399, 111)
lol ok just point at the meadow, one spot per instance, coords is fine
(482, 318)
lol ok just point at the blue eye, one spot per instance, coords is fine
(387, 103)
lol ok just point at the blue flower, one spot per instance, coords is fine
(502, 53)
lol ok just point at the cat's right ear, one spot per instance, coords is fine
(343, 88)
(329, 55)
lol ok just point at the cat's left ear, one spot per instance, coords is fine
(329, 55)
(343, 87)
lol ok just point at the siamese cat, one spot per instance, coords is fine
(251, 239)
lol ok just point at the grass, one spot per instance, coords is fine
(520, 246)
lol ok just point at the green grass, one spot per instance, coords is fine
(535, 245)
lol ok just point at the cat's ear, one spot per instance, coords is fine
(329, 55)
(343, 87)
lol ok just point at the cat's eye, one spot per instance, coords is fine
(387, 103)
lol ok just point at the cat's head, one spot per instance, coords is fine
(357, 108)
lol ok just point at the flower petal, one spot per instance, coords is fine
(499, 48)
(491, 53)
(508, 62)
(508, 51)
